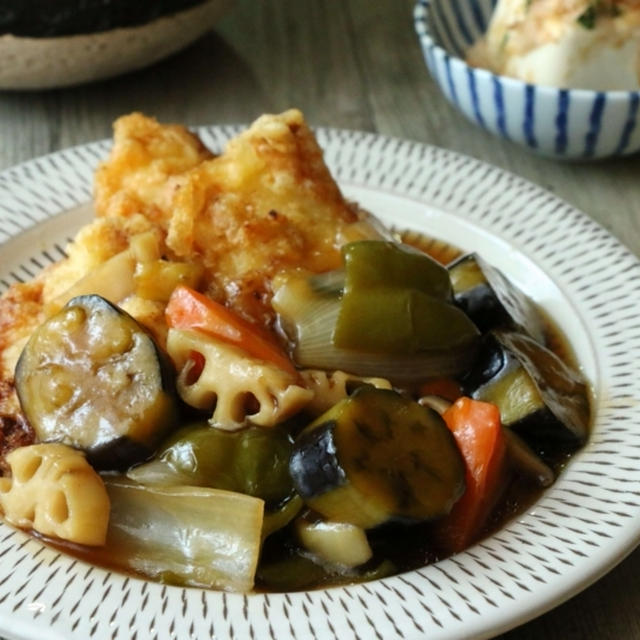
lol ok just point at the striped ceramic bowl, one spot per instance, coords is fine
(564, 123)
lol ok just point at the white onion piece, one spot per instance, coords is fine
(192, 536)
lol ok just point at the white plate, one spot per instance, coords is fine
(587, 522)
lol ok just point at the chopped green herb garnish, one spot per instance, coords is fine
(588, 17)
(598, 7)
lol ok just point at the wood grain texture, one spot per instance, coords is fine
(354, 64)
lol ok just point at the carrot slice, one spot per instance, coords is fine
(189, 309)
(477, 428)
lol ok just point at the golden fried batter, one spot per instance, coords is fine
(145, 155)
(267, 203)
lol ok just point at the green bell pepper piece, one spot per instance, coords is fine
(372, 264)
(400, 321)
(397, 300)
(254, 461)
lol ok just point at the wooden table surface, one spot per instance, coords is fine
(353, 64)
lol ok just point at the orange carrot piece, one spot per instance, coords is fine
(189, 309)
(477, 428)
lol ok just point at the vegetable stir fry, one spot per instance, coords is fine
(387, 411)
(400, 455)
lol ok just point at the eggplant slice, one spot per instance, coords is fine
(490, 299)
(377, 457)
(539, 396)
(93, 378)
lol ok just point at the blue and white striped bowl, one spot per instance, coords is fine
(564, 123)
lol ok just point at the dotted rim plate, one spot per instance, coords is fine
(581, 527)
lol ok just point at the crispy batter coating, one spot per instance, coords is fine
(15, 431)
(20, 308)
(267, 203)
(145, 155)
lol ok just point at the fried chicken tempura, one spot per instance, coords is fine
(144, 156)
(267, 203)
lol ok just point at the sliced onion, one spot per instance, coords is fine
(191, 536)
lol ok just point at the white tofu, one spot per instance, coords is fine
(547, 42)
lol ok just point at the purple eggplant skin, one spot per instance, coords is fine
(92, 377)
(540, 398)
(313, 463)
(375, 457)
(490, 300)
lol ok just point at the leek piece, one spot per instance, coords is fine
(372, 264)
(197, 536)
(252, 461)
(328, 283)
(403, 321)
(308, 319)
(159, 471)
(397, 300)
(282, 516)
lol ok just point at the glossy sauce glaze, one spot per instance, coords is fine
(397, 546)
